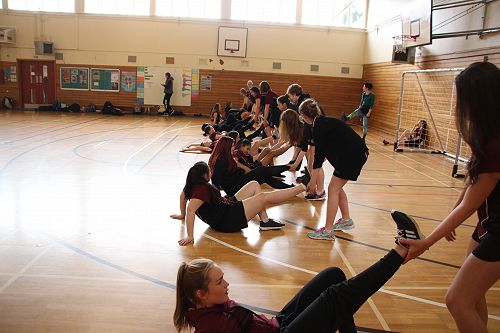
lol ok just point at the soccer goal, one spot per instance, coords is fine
(426, 116)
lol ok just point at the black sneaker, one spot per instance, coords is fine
(278, 221)
(270, 225)
(305, 179)
(407, 227)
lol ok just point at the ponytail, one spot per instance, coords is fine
(191, 277)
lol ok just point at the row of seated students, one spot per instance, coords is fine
(328, 302)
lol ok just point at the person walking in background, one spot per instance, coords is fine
(168, 90)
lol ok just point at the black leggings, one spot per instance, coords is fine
(263, 175)
(328, 302)
(167, 98)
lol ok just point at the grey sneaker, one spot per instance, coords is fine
(316, 196)
(342, 224)
(270, 225)
(321, 234)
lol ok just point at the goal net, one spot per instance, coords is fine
(426, 116)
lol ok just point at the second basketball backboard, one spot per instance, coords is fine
(417, 22)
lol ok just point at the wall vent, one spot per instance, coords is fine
(245, 63)
(132, 58)
(59, 56)
(202, 61)
(169, 60)
(276, 65)
(344, 70)
(314, 68)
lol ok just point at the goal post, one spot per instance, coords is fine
(426, 115)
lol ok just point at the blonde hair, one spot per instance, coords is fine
(191, 276)
(291, 127)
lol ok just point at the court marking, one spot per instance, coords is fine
(24, 269)
(166, 284)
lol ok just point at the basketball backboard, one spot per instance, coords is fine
(417, 22)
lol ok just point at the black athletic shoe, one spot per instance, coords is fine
(270, 225)
(305, 179)
(278, 221)
(407, 227)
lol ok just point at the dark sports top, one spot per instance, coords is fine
(489, 212)
(367, 99)
(270, 98)
(228, 181)
(210, 212)
(337, 142)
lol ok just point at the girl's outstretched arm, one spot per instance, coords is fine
(474, 196)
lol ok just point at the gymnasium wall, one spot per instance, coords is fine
(109, 40)
(387, 78)
(384, 22)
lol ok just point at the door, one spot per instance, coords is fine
(38, 83)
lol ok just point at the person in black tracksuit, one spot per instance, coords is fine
(346, 152)
(168, 90)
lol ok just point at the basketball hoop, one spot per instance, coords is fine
(401, 42)
(231, 50)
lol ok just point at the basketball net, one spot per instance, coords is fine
(401, 42)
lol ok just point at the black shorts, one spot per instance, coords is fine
(234, 220)
(351, 170)
(489, 246)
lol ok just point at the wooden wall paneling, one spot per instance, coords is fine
(386, 78)
(336, 95)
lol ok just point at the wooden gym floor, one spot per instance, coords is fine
(87, 245)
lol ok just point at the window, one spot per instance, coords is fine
(65, 6)
(118, 7)
(279, 11)
(208, 9)
(342, 13)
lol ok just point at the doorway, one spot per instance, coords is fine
(37, 83)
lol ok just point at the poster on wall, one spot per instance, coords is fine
(105, 79)
(206, 82)
(195, 84)
(128, 81)
(154, 78)
(74, 78)
(140, 85)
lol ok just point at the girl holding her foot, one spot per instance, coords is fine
(229, 213)
(325, 304)
(346, 152)
(478, 121)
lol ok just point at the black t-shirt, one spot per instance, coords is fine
(228, 181)
(489, 212)
(337, 142)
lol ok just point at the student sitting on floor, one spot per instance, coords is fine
(325, 304)
(229, 213)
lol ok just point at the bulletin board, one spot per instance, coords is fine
(74, 78)
(105, 79)
(154, 77)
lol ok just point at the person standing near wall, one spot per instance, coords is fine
(365, 107)
(168, 90)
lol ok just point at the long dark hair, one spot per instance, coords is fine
(196, 176)
(478, 111)
(222, 151)
(191, 276)
(291, 127)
